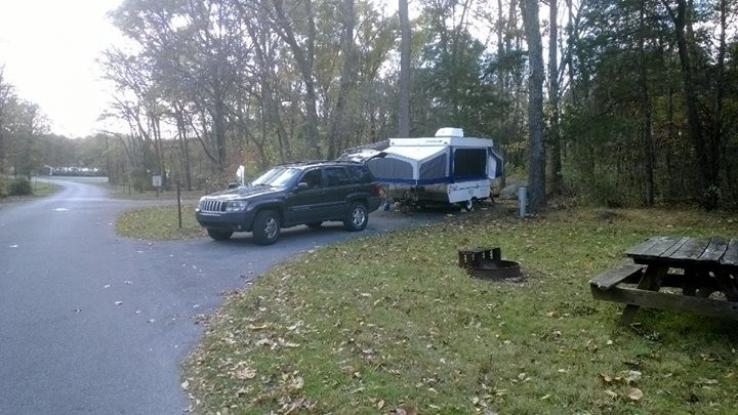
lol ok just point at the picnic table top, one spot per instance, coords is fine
(686, 250)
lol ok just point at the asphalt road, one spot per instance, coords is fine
(91, 323)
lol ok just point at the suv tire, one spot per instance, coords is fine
(266, 227)
(357, 217)
(219, 235)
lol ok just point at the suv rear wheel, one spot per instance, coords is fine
(219, 235)
(266, 227)
(357, 219)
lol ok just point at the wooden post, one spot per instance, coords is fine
(179, 205)
(651, 281)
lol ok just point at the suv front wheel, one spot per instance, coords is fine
(266, 227)
(357, 219)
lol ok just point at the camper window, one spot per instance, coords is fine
(434, 168)
(387, 168)
(470, 162)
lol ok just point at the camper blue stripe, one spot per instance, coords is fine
(432, 181)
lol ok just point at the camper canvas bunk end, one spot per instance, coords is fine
(447, 168)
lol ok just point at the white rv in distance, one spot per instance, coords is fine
(447, 168)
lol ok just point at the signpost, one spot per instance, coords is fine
(241, 174)
(156, 182)
(179, 205)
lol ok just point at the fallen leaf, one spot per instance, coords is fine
(380, 404)
(245, 373)
(185, 384)
(297, 383)
(633, 376)
(606, 378)
(264, 342)
(255, 328)
(635, 394)
(611, 394)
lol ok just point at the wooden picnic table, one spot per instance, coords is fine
(698, 267)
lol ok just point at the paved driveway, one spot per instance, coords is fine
(91, 323)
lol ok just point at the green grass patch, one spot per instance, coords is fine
(158, 223)
(37, 188)
(41, 188)
(128, 193)
(391, 322)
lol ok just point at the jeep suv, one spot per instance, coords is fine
(290, 195)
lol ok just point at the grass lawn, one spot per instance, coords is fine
(125, 192)
(39, 189)
(158, 223)
(390, 323)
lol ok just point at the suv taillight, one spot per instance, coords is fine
(377, 189)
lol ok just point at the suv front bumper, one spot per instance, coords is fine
(229, 221)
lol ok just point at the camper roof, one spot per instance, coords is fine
(447, 136)
(442, 141)
(415, 152)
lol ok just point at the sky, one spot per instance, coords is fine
(50, 49)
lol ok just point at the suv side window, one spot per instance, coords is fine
(336, 176)
(313, 178)
(360, 174)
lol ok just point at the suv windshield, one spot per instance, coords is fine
(277, 177)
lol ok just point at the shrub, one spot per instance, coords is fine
(20, 187)
(140, 180)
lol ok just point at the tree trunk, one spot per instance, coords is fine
(708, 166)
(219, 129)
(304, 56)
(403, 115)
(183, 146)
(337, 134)
(554, 165)
(570, 50)
(645, 109)
(536, 153)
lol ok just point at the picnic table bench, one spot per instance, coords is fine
(698, 267)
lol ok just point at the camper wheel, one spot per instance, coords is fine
(468, 205)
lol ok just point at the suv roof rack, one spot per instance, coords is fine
(311, 162)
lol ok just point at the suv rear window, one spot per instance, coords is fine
(336, 176)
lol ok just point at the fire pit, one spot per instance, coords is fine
(487, 263)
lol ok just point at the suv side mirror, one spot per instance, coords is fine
(301, 186)
(232, 185)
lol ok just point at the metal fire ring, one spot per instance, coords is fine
(487, 263)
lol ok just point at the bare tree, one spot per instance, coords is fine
(706, 146)
(536, 153)
(304, 55)
(6, 91)
(338, 130)
(554, 165)
(405, 40)
(645, 106)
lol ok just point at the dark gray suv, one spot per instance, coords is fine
(293, 194)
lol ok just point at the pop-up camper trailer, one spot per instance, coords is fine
(446, 168)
